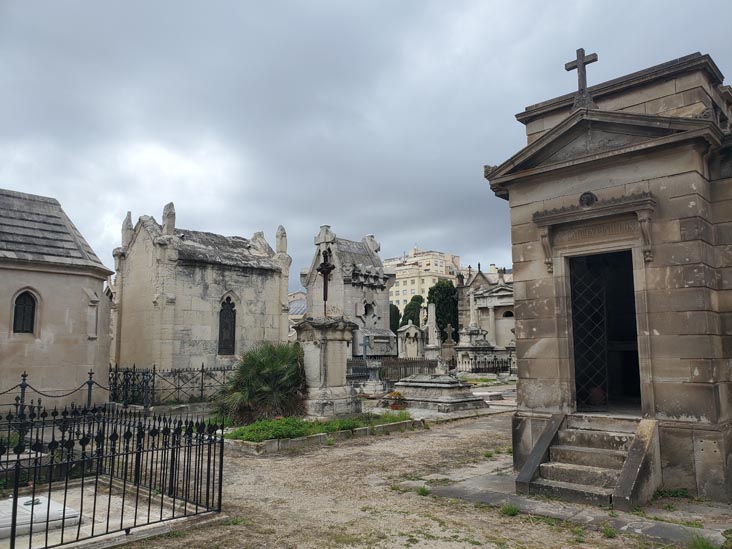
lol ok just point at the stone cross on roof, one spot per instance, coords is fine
(582, 100)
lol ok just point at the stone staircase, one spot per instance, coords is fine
(585, 459)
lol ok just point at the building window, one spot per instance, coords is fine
(412, 291)
(24, 315)
(412, 282)
(404, 292)
(508, 314)
(227, 327)
(396, 283)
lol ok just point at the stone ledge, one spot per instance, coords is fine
(275, 445)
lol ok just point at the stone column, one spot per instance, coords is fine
(492, 325)
(473, 310)
(325, 346)
(432, 349)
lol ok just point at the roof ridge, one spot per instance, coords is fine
(28, 196)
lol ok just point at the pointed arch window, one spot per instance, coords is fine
(227, 327)
(24, 314)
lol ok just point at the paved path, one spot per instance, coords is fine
(359, 493)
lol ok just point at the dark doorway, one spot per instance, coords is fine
(606, 366)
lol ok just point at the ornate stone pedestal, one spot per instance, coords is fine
(325, 347)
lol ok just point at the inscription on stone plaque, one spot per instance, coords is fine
(604, 231)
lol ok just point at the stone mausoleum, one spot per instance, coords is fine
(621, 227)
(358, 290)
(185, 298)
(55, 315)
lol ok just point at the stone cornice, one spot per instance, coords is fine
(685, 129)
(614, 206)
(695, 61)
(642, 205)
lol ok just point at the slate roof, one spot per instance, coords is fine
(36, 229)
(350, 252)
(216, 249)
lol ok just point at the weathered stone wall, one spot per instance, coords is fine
(137, 324)
(71, 333)
(199, 290)
(168, 302)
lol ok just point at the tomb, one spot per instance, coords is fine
(183, 298)
(621, 228)
(357, 289)
(440, 392)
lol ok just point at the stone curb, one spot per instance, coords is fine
(274, 445)
(583, 515)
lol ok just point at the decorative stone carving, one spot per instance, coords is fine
(642, 205)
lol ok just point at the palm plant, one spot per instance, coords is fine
(269, 382)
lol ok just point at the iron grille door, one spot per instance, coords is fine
(589, 325)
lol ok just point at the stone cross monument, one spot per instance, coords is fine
(582, 100)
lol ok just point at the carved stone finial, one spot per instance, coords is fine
(127, 230)
(325, 236)
(582, 100)
(371, 243)
(169, 218)
(281, 245)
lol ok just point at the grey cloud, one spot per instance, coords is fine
(375, 117)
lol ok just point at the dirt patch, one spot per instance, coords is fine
(349, 495)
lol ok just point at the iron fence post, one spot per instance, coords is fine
(201, 381)
(146, 391)
(89, 385)
(23, 385)
(154, 374)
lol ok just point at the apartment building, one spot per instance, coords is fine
(417, 271)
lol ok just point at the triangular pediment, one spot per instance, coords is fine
(502, 290)
(588, 135)
(588, 138)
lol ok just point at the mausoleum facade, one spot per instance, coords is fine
(621, 227)
(185, 298)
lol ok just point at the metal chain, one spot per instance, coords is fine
(55, 396)
(11, 389)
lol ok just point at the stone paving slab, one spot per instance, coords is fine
(498, 489)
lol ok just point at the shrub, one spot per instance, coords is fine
(423, 491)
(608, 531)
(269, 382)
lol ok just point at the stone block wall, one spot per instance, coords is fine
(71, 335)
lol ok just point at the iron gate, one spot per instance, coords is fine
(589, 326)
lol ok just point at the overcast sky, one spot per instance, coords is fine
(371, 116)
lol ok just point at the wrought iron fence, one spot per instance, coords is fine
(484, 364)
(391, 369)
(150, 386)
(87, 472)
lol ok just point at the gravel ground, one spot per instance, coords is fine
(348, 494)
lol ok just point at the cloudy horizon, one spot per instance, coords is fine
(372, 117)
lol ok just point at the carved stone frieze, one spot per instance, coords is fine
(642, 205)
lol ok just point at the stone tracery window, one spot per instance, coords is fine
(227, 327)
(24, 314)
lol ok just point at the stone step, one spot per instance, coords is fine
(574, 493)
(608, 440)
(580, 474)
(593, 422)
(594, 457)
